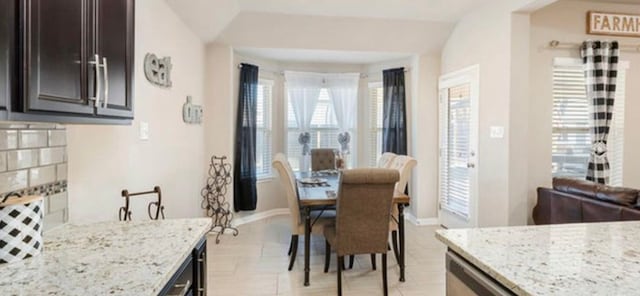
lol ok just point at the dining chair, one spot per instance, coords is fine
(288, 182)
(362, 220)
(323, 159)
(386, 159)
(404, 165)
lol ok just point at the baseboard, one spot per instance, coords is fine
(421, 222)
(237, 221)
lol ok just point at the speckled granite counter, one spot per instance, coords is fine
(570, 259)
(111, 258)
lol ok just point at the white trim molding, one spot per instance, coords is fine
(421, 222)
(237, 221)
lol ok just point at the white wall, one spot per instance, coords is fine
(103, 160)
(489, 37)
(565, 21)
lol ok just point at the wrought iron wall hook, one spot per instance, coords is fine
(124, 212)
(214, 196)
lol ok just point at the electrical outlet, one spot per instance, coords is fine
(144, 131)
(497, 132)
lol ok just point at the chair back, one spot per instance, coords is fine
(404, 165)
(363, 210)
(288, 182)
(323, 159)
(386, 159)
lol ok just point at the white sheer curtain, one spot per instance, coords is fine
(343, 89)
(304, 89)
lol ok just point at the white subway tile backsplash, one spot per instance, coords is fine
(32, 138)
(12, 181)
(57, 138)
(12, 125)
(53, 220)
(58, 202)
(8, 139)
(61, 172)
(22, 159)
(51, 155)
(42, 175)
(33, 155)
(42, 126)
(3, 161)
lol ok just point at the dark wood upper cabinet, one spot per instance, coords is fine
(57, 60)
(114, 44)
(78, 58)
(7, 46)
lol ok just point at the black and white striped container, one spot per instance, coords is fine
(20, 227)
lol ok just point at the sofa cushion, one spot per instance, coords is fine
(618, 195)
(576, 186)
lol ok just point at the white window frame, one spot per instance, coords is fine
(616, 135)
(267, 172)
(374, 132)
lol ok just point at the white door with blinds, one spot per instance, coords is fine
(458, 148)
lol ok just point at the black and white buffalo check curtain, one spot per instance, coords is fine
(600, 61)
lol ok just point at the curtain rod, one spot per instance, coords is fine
(555, 44)
(362, 75)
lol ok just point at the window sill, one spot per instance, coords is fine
(265, 178)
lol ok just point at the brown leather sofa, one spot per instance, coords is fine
(576, 201)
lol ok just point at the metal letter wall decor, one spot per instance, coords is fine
(158, 71)
(191, 113)
(213, 196)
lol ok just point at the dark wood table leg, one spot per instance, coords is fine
(401, 238)
(307, 243)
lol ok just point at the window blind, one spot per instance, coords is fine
(571, 139)
(455, 136)
(374, 141)
(263, 129)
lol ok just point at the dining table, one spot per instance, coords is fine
(321, 193)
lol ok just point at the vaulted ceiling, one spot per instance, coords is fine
(209, 18)
(386, 27)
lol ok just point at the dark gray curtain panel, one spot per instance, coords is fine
(245, 193)
(394, 124)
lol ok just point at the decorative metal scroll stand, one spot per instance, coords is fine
(124, 214)
(213, 196)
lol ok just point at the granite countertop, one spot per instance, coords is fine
(567, 259)
(110, 258)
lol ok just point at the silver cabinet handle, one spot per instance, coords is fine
(96, 99)
(106, 83)
(185, 287)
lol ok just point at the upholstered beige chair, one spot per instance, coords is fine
(362, 219)
(288, 182)
(386, 159)
(323, 159)
(404, 165)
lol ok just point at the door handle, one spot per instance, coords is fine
(96, 98)
(106, 83)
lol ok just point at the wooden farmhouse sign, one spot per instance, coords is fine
(614, 24)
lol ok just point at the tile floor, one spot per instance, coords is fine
(255, 263)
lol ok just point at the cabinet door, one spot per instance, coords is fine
(7, 46)
(114, 44)
(56, 56)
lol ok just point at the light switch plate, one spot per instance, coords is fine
(144, 131)
(497, 132)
